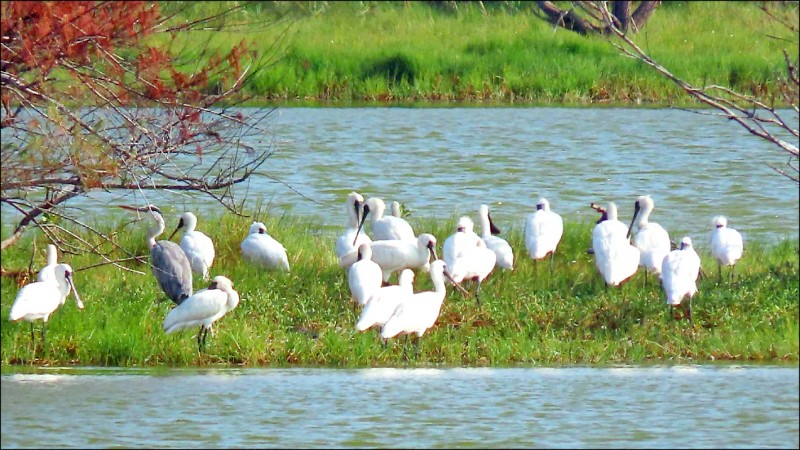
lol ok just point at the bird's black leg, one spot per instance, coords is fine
(199, 339)
(552, 255)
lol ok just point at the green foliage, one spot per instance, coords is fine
(305, 317)
(416, 51)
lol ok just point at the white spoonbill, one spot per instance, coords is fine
(197, 246)
(48, 271)
(500, 247)
(396, 255)
(543, 231)
(417, 313)
(679, 275)
(382, 304)
(203, 308)
(352, 237)
(386, 227)
(364, 276)
(651, 239)
(726, 244)
(262, 249)
(170, 264)
(475, 264)
(464, 238)
(614, 256)
(40, 299)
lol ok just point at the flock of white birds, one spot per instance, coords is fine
(395, 248)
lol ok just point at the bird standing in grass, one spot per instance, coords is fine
(353, 237)
(651, 239)
(543, 231)
(263, 250)
(40, 299)
(203, 308)
(679, 273)
(169, 262)
(503, 251)
(198, 247)
(364, 277)
(616, 259)
(726, 245)
(381, 305)
(417, 313)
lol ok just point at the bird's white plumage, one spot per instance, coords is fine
(40, 299)
(48, 271)
(353, 237)
(381, 305)
(386, 227)
(203, 308)
(396, 255)
(463, 239)
(614, 256)
(364, 277)
(543, 230)
(198, 247)
(503, 251)
(263, 250)
(726, 243)
(473, 263)
(396, 210)
(679, 272)
(418, 312)
(651, 239)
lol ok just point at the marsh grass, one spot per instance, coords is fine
(412, 52)
(305, 317)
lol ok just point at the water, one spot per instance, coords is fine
(444, 162)
(646, 407)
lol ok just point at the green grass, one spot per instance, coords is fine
(343, 52)
(305, 317)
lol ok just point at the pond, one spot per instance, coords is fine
(709, 406)
(444, 162)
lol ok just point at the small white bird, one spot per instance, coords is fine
(396, 255)
(352, 237)
(48, 271)
(386, 227)
(474, 264)
(543, 231)
(364, 277)
(198, 247)
(203, 308)
(651, 239)
(679, 274)
(40, 299)
(417, 313)
(501, 248)
(381, 305)
(614, 256)
(262, 249)
(463, 239)
(726, 244)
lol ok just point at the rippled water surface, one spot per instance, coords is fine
(443, 162)
(666, 407)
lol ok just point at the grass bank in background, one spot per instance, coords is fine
(341, 52)
(530, 317)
